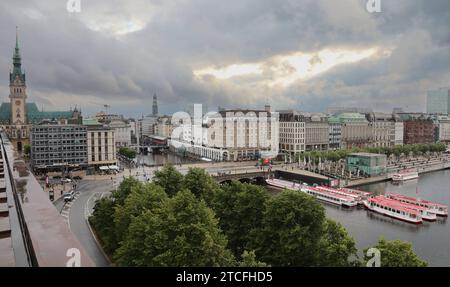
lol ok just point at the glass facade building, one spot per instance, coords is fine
(438, 102)
(367, 163)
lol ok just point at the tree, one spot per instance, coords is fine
(337, 247)
(102, 220)
(249, 260)
(201, 184)
(127, 152)
(27, 149)
(124, 189)
(396, 253)
(170, 179)
(181, 232)
(142, 197)
(240, 208)
(293, 225)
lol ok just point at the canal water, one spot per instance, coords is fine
(161, 159)
(431, 240)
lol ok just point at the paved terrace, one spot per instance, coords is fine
(33, 232)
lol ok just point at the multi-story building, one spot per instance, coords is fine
(335, 133)
(54, 146)
(355, 130)
(443, 129)
(399, 133)
(418, 129)
(438, 102)
(292, 132)
(146, 127)
(316, 132)
(383, 129)
(164, 127)
(230, 135)
(122, 132)
(339, 110)
(101, 147)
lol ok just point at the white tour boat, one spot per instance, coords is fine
(283, 184)
(359, 196)
(331, 197)
(392, 209)
(405, 175)
(439, 209)
(424, 212)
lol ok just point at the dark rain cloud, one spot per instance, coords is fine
(74, 59)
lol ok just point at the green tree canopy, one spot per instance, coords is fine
(182, 232)
(249, 260)
(170, 179)
(201, 184)
(102, 220)
(142, 197)
(293, 225)
(240, 208)
(127, 152)
(337, 247)
(124, 189)
(396, 253)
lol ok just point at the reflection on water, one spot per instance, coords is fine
(161, 158)
(431, 240)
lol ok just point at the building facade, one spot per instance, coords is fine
(419, 131)
(399, 133)
(366, 164)
(56, 145)
(122, 132)
(317, 134)
(438, 102)
(164, 127)
(386, 130)
(292, 133)
(355, 130)
(335, 133)
(443, 130)
(101, 146)
(230, 135)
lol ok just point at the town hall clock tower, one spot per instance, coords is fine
(17, 88)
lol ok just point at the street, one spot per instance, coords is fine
(77, 212)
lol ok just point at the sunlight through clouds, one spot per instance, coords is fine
(284, 70)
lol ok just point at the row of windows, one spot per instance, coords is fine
(390, 209)
(47, 148)
(50, 162)
(58, 129)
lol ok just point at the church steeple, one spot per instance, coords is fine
(17, 63)
(155, 106)
(17, 89)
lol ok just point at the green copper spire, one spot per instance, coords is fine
(17, 62)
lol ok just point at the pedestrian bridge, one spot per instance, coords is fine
(243, 176)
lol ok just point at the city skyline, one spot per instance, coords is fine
(304, 56)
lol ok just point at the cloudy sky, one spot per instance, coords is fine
(301, 54)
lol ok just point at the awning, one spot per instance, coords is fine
(103, 168)
(115, 167)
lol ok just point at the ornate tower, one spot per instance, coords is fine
(155, 106)
(17, 88)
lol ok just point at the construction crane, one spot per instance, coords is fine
(106, 106)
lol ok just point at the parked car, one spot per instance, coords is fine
(69, 196)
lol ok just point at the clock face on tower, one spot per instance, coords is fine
(17, 103)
